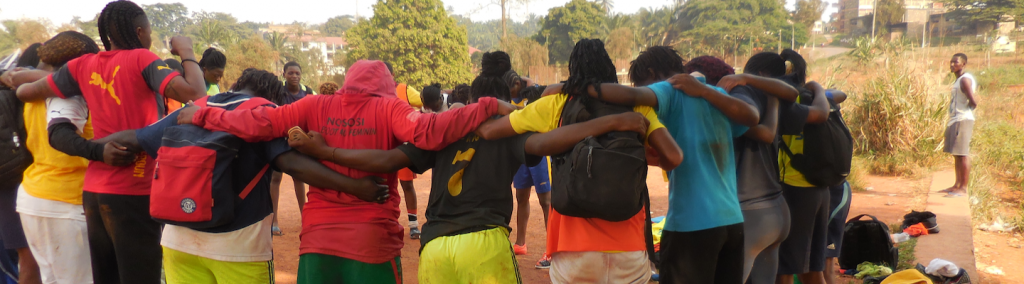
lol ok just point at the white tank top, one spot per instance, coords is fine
(959, 109)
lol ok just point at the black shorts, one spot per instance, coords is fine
(124, 241)
(803, 250)
(10, 222)
(707, 256)
(839, 208)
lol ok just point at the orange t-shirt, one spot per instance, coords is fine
(567, 233)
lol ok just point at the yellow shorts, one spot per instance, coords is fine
(180, 267)
(479, 257)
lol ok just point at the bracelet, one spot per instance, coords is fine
(192, 60)
(333, 158)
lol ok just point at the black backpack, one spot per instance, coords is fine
(16, 157)
(867, 240)
(603, 177)
(828, 150)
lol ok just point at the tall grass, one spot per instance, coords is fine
(898, 117)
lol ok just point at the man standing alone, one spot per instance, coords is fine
(961, 123)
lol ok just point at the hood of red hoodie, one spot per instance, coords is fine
(368, 78)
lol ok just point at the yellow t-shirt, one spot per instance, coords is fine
(53, 175)
(543, 115)
(788, 174)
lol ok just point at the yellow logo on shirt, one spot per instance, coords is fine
(97, 80)
(161, 67)
(461, 162)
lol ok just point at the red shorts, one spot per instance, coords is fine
(406, 175)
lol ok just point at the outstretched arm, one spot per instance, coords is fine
(774, 87)
(375, 161)
(302, 167)
(765, 131)
(434, 131)
(733, 108)
(564, 138)
(252, 125)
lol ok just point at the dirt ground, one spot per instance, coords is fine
(286, 248)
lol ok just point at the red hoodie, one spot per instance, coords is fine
(364, 114)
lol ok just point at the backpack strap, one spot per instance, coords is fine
(648, 230)
(253, 182)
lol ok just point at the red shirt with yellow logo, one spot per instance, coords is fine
(121, 88)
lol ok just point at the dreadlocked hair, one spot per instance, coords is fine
(799, 74)
(117, 25)
(589, 65)
(460, 94)
(328, 88)
(532, 93)
(66, 46)
(29, 58)
(490, 83)
(264, 84)
(431, 94)
(213, 59)
(765, 64)
(712, 67)
(662, 60)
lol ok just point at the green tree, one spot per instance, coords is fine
(506, 5)
(890, 12)
(525, 53)
(87, 27)
(167, 19)
(417, 37)
(968, 12)
(249, 52)
(565, 25)
(22, 33)
(620, 43)
(606, 5)
(808, 11)
(656, 27)
(337, 25)
(730, 27)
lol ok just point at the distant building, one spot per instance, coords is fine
(819, 26)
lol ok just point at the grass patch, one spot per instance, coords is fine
(907, 250)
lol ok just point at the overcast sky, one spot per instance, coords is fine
(287, 11)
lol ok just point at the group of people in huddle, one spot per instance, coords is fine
(95, 119)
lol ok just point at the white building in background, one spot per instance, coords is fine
(327, 47)
(819, 26)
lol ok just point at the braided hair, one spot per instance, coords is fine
(264, 84)
(29, 58)
(765, 64)
(712, 67)
(489, 83)
(589, 65)
(460, 94)
(799, 74)
(662, 60)
(65, 46)
(213, 59)
(117, 25)
(328, 88)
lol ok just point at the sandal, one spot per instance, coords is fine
(953, 194)
(276, 231)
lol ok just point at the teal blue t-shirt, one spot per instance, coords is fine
(702, 190)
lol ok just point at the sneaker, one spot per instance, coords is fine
(519, 249)
(544, 262)
(414, 233)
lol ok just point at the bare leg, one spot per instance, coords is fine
(275, 192)
(523, 214)
(963, 172)
(545, 205)
(959, 182)
(410, 195)
(784, 279)
(830, 270)
(813, 277)
(300, 193)
(28, 271)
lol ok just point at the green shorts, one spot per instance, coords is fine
(315, 268)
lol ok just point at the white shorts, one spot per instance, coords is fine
(61, 247)
(596, 267)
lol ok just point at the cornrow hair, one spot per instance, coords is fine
(490, 83)
(460, 94)
(117, 25)
(799, 74)
(511, 78)
(65, 46)
(765, 64)
(712, 67)
(589, 65)
(328, 88)
(264, 84)
(213, 59)
(662, 60)
(30, 58)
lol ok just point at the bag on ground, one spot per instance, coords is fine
(867, 241)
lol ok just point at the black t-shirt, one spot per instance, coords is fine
(469, 190)
(252, 157)
(757, 174)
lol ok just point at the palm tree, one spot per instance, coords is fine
(607, 5)
(211, 32)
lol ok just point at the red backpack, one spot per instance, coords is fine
(193, 180)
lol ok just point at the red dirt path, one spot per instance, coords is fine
(286, 248)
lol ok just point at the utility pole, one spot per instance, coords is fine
(874, 15)
(780, 40)
(792, 40)
(924, 28)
